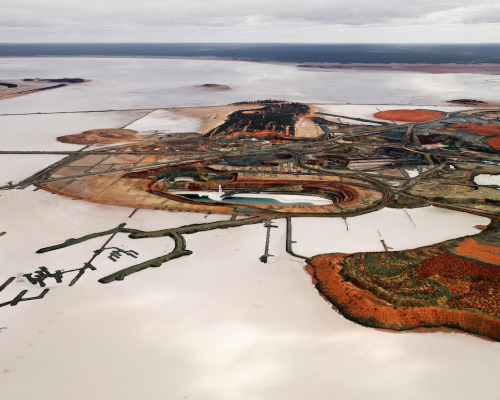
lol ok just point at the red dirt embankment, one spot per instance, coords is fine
(408, 115)
(484, 252)
(363, 307)
(101, 136)
(492, 132)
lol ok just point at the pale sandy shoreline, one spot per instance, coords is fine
(483, 68)
(490, 69)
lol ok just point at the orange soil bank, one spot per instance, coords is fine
(470, 248)
(491, 131)
(103, 136)
(142, 189)
(464, 311)
(408, 115)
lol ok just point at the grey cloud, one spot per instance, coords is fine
(483, 15)
(21, 19)
(194, 11)
(382, 12)
(92, 18)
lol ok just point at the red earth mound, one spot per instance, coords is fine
(364, 307)
(102, 136)
(472, 249)
(492, 132)
(408, 115)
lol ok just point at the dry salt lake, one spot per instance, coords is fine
(217, 324)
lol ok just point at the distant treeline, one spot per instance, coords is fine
(8, 85)
(268, 101)
(471, 102)
(281, 52)
(60, 80)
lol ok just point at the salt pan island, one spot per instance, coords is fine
(261, 162)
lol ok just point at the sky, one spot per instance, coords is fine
(299, 21)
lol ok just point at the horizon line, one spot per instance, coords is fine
(267, 43)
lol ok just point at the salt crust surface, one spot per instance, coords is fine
(217, 324)
(487, 179)
(119, 84)
(166, 121)
(400, 229)
(39, 133)
(214, 325)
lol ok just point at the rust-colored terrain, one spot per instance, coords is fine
(101, 136)
(454, 284)
(473, 248)
(489, 131)
(408, 115)
(150, 188)
(275, 148)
